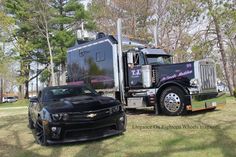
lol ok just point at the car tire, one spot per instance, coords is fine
(31, 123)
(40, 134)
(172, 101)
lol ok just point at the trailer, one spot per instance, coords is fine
(143, 77)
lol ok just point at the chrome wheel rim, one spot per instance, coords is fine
(172, 102)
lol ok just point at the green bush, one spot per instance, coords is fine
(235, 92)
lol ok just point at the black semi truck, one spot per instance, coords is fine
(143, 77)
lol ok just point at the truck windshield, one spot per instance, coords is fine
(55, 94)
(156, 59)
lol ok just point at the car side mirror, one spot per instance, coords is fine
(34, 99)
(101, 93)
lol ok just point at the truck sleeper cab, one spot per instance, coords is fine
(150, 80)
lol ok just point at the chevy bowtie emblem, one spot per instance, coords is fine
(91, 115)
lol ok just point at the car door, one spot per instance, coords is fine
(36, 107)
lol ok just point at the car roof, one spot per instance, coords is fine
(63, 86)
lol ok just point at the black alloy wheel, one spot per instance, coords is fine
(40, 133)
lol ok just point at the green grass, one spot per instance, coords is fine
(18, 103)
(211, 133)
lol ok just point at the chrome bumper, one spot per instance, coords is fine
(206, 101)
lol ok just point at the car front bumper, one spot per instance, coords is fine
(205, 101)
(82, 131)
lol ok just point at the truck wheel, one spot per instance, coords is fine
(172, 101)
(40, 134)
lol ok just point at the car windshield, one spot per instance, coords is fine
(154, 59)
(10, 97)
(65, 92)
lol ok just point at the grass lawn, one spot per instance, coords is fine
(199, 134)
(18, 103)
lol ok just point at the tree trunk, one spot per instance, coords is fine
(1, 90)
(234, 79)
(21, 91)
(234, 83)
(26, 96)
(45, 21)
(51, 60)
(63, 74)
(222, 52)
(221, 46)
(232, 61)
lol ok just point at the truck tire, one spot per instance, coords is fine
(172, 101)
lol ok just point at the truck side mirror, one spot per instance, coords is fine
(130, 58)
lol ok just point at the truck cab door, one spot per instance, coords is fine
(134, 69)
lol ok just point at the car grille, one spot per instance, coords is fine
(207, 77)
(90, 133)
(88, 116)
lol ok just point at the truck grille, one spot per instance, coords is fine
(89, 116)
(208, 77)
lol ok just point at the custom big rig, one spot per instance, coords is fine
(143, 77)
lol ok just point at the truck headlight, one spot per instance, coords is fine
(194, 82)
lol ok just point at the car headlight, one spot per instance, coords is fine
(65, 116)
(115, 109)
(57, 116)
(60, 116)
(194, 82)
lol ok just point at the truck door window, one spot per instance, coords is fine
(141, 59)
(138, 59)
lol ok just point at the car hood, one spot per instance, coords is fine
(80, 104)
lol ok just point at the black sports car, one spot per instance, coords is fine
(74, 113)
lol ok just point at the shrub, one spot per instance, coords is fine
(235, 92)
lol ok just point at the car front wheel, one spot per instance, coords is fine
(40, 133)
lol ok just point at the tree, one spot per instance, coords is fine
(24, 37)
(67, 19)
(6, 73)
(43, 31)
(216, 12)
(173, 22)
(41, 18)
(135, 16)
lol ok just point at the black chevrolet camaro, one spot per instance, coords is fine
(74, 113)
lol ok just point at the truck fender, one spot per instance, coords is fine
(168, 84)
